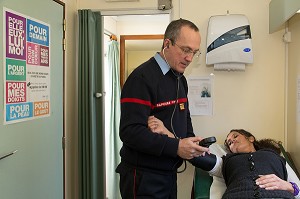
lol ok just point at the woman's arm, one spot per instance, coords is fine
(206, 162)
(157, 126)
(188, 148)
(272, 182)
(210, 163)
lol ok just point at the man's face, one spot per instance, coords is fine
(184, 49)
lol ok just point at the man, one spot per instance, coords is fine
(149, 161)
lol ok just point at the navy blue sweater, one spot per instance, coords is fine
(147, 91)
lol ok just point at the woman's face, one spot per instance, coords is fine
(238, 143)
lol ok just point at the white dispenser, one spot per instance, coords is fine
(229, 45)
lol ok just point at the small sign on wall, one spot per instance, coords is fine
(200, 95)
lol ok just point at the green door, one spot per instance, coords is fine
(31, 99)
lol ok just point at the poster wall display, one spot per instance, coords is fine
(200, 95)
(26, 67)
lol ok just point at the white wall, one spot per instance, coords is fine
(135, 58)
(293, 74)
(110, 25)
(253, 99)
(155, 24)
(103, 5)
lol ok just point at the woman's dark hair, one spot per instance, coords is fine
(173, 30)
(258, 144)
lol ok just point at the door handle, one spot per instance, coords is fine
(98, 95)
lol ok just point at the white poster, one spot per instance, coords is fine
(26, 67)
(200, 95)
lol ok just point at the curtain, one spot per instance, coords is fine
(90, 107)
(113, 142)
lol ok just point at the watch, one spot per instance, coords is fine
(296, 188)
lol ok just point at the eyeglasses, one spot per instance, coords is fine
(187, 51)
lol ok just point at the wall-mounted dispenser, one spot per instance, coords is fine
(229, 45)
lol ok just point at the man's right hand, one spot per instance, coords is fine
(188, 148)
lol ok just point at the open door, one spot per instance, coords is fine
(123, 39)
(31, 99)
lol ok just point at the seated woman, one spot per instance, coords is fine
(253, 169)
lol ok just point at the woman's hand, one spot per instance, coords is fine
(188, 148)
(157, 126)
(272, 182)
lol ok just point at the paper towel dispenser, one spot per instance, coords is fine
(229, 40)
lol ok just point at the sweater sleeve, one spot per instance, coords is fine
(136, 104)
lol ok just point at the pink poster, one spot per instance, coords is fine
(26, 68)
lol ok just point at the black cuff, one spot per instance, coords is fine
(206, 162)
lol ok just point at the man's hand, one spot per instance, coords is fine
(188, 148)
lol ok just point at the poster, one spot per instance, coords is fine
(26, 66)
(200, 95)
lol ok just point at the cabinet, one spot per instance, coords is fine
(280, 11)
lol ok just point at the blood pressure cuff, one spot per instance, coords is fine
(206, 162)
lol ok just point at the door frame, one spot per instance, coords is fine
(64, 113)
(123, 39)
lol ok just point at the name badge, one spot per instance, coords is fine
(181, 106)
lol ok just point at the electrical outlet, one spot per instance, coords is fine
(287, 37)
(164, 4)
